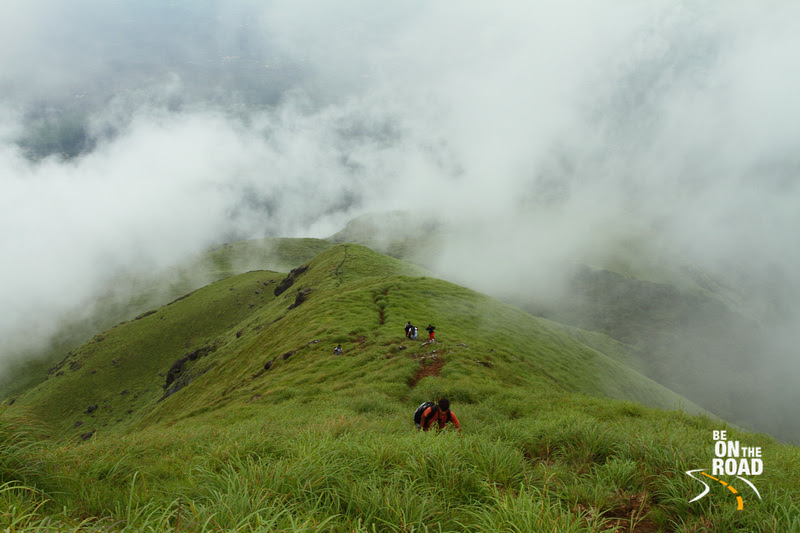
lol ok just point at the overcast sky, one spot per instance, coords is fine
(543, 133)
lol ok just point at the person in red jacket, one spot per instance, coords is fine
(439, 413)
(430, 329)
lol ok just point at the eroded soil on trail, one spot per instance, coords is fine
(430, 365)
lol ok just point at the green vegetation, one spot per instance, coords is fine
(131, 295)
(265, 429)
(702, 334)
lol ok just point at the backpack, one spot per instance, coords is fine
(421, 409)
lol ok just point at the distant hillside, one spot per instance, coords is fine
(128, 296)
(690, 340)
(412, 237)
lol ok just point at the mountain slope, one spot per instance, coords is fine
(128, 296)
(120, 373)
(269, 430)
(210, 350)
(723, 341)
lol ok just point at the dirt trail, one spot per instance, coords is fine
(429, 366)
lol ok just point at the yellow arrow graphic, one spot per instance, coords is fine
(740, 505)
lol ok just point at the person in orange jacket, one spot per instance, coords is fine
(439, 413)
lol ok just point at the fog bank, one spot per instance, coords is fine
(541, 135)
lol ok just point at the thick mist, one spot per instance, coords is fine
(541, 135)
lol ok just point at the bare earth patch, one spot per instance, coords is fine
(429, 366)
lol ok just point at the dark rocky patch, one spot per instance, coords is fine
(289, 280)
(177, 367)
(178, 377)
(147, 313)
(182, 381)
(180, 298)
(58, 366)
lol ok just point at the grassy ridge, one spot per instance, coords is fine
(129, 295)
(353, 300)
(120, 373)
(319, 442)
(693, 330)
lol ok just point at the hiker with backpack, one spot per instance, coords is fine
(430, 329)
(408, 329)
(429, 413)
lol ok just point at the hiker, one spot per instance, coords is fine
(409, 327)
(430, 329)
(337, 350)
(413, 333)
(439, 413)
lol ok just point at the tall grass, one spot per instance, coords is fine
(19, 440)
(327, 472)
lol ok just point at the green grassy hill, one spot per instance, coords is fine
(227, 410)
(130, 295)
(706, 337)
(220, 337)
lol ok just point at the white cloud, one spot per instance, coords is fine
(543, 132)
